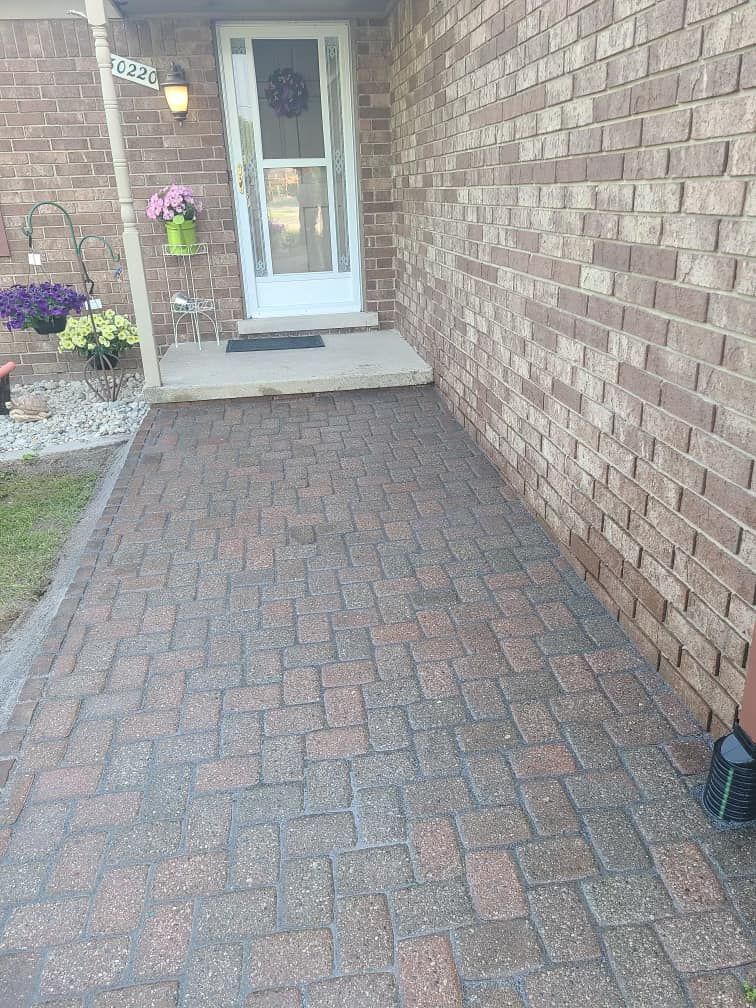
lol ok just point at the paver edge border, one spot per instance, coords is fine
(24, 638)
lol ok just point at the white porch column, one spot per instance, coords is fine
(132, 248)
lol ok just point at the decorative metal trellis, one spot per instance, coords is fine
(102, 373)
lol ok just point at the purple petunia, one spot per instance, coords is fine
(21, 306)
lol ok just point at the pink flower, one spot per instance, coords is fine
(170, 201)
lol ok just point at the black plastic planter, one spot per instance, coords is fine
(50, 324)
(730, 791)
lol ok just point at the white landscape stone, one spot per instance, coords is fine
(76, 416)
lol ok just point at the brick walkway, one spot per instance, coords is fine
(327, 722)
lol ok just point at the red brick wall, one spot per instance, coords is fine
(575, 256)
(371, 45)
(53, 145)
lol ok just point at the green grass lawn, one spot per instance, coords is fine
(37, 512)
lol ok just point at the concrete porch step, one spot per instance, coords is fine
(354, 360)
(330, 321)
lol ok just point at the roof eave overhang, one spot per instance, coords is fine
(249, 9)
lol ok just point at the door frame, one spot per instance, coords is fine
(224, 32)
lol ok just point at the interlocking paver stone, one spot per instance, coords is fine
(290, 998)
(706, 942)
(37, 925)
(589, 986)
(495, 886)
(428, 975)
(437, 797)
(564, 924)
(380, 816)
(689, 878)
(497, 950)
(680, 819)
(237, 914)
(290, 957)
(556, 860)
(161, 995)
(627, 899)
(327, 721)
(732, 853)
(377, 990)
(483, 996)
(549, 807)
(213, 977)
(208, 822)
(21, 882)
(118, 901)
(616, 840)
(716, 990)
(379, 869)
(164, 941)
(493, 827)
(270, 802)
(70, 969)
(431, 907)
(437, 753)
(76, 867)
(642, 968)
(307, 893)
(320, 834)
(194, 875)
(436, 848)
(366, 939)
(257, 854)
(743, 895)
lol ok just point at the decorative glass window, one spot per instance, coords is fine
(336, 114)
(245, 99)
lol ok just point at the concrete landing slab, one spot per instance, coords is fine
(362, 360)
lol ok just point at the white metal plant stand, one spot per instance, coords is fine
(192, 304)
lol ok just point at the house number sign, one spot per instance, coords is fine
(137, 73)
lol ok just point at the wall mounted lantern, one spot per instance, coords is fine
(176, 91)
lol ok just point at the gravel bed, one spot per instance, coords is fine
(77, 415)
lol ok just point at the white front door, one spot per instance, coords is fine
(288, 99)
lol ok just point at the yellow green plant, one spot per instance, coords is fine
(112, 334)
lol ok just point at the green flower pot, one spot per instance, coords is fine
(188, 232)
(180, 233)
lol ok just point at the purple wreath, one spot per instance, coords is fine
(286, 92)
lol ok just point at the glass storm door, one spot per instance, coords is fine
(293, 167)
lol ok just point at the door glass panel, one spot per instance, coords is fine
(295, 136)
(246, 177)
(336, 111)
(298, 219)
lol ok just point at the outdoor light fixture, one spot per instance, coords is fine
(180, 300)
(176, 91)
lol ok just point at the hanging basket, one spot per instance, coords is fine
(50, 324)
(104, 376)
(103, 361)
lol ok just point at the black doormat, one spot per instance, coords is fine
(273, 343)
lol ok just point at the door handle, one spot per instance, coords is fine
(240, 177)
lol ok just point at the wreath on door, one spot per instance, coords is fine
(286, 92)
